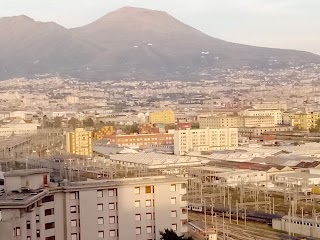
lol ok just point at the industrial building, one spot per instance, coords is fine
(139, 208)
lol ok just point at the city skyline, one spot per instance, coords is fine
(280, 24)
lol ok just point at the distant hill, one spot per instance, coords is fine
(125, 44)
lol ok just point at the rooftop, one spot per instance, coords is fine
(155, 159)
(26, 172)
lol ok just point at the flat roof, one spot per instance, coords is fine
(153, 158)
(26, 172)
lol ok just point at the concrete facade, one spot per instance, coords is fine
(204, 139)
(121, 209)
(79, 142)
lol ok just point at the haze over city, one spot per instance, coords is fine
(159, 120)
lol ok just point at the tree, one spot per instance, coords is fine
(172, 235)
(74, 123)
(57, 122)
(88, 122)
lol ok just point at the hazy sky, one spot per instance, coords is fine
(273, 23)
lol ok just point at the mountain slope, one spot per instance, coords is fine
(30, 47)
(128, 43)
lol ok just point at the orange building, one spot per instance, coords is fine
(148, 129)
(141, 139)
(103, 132)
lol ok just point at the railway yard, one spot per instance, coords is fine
(243, 231)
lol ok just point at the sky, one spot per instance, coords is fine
(293, 24)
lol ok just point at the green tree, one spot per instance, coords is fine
(88, 122)
(172, 235)
(57, 122)
(316, 128)
(74, 123)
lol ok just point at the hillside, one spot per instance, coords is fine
(128, 43)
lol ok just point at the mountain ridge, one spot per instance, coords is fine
(129, 43)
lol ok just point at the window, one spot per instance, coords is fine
(101, 234)
(138, 217)
(136, 190)
(73, 195)
(28, 225)
(38, 233)
(112, 233)
(73, 236)
(174, 214)
(37, 218)
(138, 230)
(48, 212)
(100, 221)
(111, 206)
(99, 193)
(148, 203)
(73, 209)
(73, 223)
(100, 207)
(148, 189)
(149, 229)
(112, 219)
(49, 225)
(51, 238)
(174, 227)
(137, 204)
(48, 199)
(18, 232)
(173, 200)
(149, 216)
(111, 192)
(173, 187)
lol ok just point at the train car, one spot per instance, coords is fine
(250, 215)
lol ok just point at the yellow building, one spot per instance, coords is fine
(304, 121)
(79, 142)
(103, 132)
(165, 117)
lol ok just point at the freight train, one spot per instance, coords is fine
(250, 215)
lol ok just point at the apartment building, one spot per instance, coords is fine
(141, 140)
(79, 142)
(281, 105)
(304, 121)
(259, 131)
(236, 121)
(18, 127)
(103, 132)
(204, 139)
(165, 116)
(275, 113)
(117, 209)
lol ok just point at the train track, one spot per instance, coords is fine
(251, 231)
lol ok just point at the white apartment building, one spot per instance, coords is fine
(119, 209)
(275, 113)
(18, 127)
(281, 105)
(235, 121)
(189, 140)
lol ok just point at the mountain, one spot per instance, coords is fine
(129, 43)
(29, 47)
